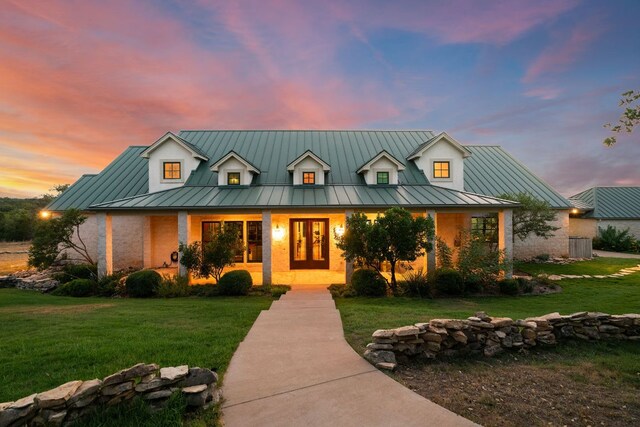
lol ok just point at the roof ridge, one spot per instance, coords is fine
(307, 130)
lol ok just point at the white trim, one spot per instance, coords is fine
(164, 180)
(325, 166)
(232, 154)
(170, 136)
(226, 180)
(442, 136)
(389, 176)
(450, 179)
(315, 176)
(367, 166)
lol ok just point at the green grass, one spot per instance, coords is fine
(597, 266)
(46, 341)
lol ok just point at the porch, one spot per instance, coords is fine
(281, 246)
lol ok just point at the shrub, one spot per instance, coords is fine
(478, 262)
(368, 283)
(173, 286)
(143, 284)
(526, 286)
(473, 285)
(206, 290)
(415, 284)
(278, 290)
(236, 282)
(341, 291)
(542, 257)
(77, 288)
(108, 285)
(77, 271)
(509, 287)
(612, 239)
(448, 281)
(444, 254)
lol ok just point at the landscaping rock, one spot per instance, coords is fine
(57, 396)
(85, 394)
(160, 394)
(383, 333)
(407, 331)
(377, 356)
(117, 389)
(174, 373)
(386, 366)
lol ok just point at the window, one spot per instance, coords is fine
(233, 178)
(254, 241)
(486, 226)
(308, 178)
(382, 177)
(441, 170)
(211, 228)
(171, 170)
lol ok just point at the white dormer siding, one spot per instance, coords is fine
(308, 165)
(170, 152)
(442, 149)
(382, 162)
(233, 165)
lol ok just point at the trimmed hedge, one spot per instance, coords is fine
(236, 282)
(77, 288)
(77, 271)
(143, 284)
(368, 283)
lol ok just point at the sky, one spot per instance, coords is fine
(82, 80)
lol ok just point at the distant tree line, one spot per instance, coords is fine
(18, 217)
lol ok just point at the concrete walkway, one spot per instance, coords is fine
(606, 254)
(295, 368)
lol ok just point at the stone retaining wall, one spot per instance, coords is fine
(73, 400)
(488, 336)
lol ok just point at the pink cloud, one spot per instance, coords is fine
(565, 50)
(545, 93)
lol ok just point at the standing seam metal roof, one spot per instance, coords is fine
(610, 202)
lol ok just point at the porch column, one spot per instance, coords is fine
(505, 237)
(348, 265)
(431, 256)
(105, 245)
(146, 242)
(184, 231)
(266, 247)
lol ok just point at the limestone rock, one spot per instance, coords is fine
(199, 376)
(24, 402)
(152, 385)
(386, 366)
(433, 337)
(377, 356)
(501, 322)
(117, 389)
(174, 373)
(383, 333)
(375, 346)
(57, 396)
(454, 324)
(195, 389)
(460, 337)
(85, 393)
(406, 331)
(160, 394)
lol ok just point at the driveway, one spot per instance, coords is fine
(606, 254)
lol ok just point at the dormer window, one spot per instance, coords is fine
(309, 178)
(442, 169)
(382, 178)
(171, 170)
(233, 178)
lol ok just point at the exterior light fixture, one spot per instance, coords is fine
(339, 230)
(278, 233)
(45, 214)
(574, 211)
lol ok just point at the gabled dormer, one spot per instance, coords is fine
(441, 159)
(382, 169)
(171, 161)
(233, 169)
(308, 169)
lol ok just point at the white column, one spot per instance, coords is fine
(505, 237)
(146, 242)
(184, 231)
(349, 265)
(431, 256)
(266, 248)
(105, 245)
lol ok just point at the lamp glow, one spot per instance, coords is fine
(574, 211)
(278, 233)
(339, 230)
(45, 214)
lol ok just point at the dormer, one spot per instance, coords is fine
(308, 169)
(382, 169)
(171, 161)
(233, 170)
(441, 159)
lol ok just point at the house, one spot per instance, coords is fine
(618, 207)
(289, 193)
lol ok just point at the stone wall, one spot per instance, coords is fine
(488, 336)
(69, 402)
(556, 246)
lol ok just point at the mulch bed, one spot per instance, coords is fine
(526, 391)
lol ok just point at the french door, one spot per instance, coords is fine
(309, 243)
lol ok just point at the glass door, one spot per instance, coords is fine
(309, 243)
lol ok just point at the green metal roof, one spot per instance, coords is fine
(610, 202)
(126, 176)
(274, 196)
(489, 170)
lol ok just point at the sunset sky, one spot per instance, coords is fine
(81, 80)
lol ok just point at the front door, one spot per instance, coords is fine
(309, 243)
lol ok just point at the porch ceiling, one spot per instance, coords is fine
(274, 196)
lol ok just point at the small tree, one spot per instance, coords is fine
(477, 262)
(56, 235)
(396, 236)
(533, 216)
(444, 254)
(210, 258)
(629, 119)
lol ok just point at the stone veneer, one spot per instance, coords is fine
(488, 336)
(71, 401)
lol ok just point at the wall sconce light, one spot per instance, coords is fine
(45, 214)
(574, 211)
(278, 233)
(338, 230)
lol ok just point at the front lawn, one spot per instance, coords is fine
(596, 266)
(46, 341)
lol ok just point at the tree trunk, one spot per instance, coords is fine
(393, 277)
